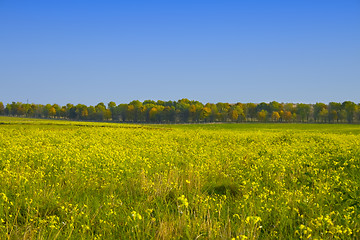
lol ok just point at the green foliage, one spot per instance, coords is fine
(186, 111)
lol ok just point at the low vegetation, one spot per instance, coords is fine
(72, 180)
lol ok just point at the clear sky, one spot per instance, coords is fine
(73, 51)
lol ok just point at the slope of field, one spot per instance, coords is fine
(72, 180)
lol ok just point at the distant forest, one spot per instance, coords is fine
(186, 111)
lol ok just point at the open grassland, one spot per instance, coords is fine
(72, 180)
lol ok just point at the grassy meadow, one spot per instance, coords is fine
(73, 180)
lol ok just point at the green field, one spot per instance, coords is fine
(73, 180)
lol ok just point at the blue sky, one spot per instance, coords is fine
(210, 51)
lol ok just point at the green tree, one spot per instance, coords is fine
(263, 106)
(152, 114)
(46, 110)
(350, 109)
(38, 110)
(115, 114)
(324, 115)
(223, 111)
(275, 106)
(146, 102)
(169, 114)
(250, 111)
(70, 111)
(213, 113)
(130, 113)
(318, 107)
(63, 112)
(135, 109)
(57, 110)
(100, 112)
(122, 109)
(31, 110)
(91, 112)
(15, 108)
(303, 110)
(289, 107)
(333, 116)
(334, 111)
(183, 107)
(241, 112)
(81, 112)
(107, 114)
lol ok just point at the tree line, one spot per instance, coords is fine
(190, 111)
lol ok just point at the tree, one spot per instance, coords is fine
(324, 115)
(20, 111)
(183, 107)
(205, 113)
(289, 107)
(27, 109)
(57, 109)
(130, 113)
(275, 106)
(303, 110)
(262, 115)
(213, 113)
(100, 112)
(82, 112)
(169, 114)
(14, 109)
(185, 110)
(160, 103)
(223, 111)
(342, 115)
(250, 111)
(31, 110)
(263, 106)
(146, 102)
(122, 109)
(333, 116)
(91, 112)
(350, 109)
(70, 111)
(38, 110)
(115, 114)
(358, 112)
(52, 112)
(282, 115)
(234, 115)
(318, 107)
(192, 112)
(107, 114)
(275, 116)
(152, 114)
(46, 110)
(334, 111)
(2, 109)
(135, 110)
